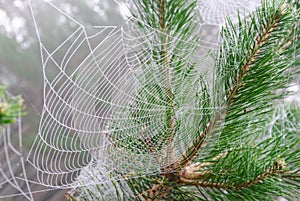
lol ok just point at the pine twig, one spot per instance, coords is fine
(199, 142)
(192, 177)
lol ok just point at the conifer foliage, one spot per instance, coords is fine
(242, 141)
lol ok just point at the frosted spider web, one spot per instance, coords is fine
(95, 81)
(215, 12)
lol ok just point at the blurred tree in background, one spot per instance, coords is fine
(10, 108)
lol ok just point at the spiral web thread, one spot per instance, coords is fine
(95, 82)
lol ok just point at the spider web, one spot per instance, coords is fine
(88, 107)
(215, 12)
(100, 87)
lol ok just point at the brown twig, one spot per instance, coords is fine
(158, 191)
(165, 61)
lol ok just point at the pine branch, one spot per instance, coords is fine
(234, 91)
(194, 175)
(189, 173)
(165, 63)
(239, 155)
(170, 15)
(253, 54)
